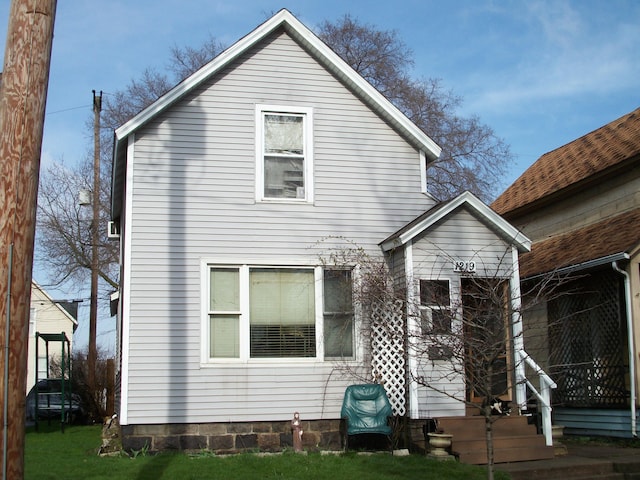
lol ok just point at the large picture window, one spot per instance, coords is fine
(279, 312)
(282, 312)
(284, 154)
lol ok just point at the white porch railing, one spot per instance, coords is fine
(543, 396)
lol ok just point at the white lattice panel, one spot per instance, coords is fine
(387, 352)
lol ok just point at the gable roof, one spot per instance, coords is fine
(35, 286)
(465, 200)
(574, 165)
(611, 239)
(327, 57)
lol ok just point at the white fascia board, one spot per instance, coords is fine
(376, 99)
(301, 32)
(53, 302)
(199, 76)
(507, 231)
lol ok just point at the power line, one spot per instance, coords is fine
(69, 109)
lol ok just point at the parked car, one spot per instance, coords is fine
(50, 402)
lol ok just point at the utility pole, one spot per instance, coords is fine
(23, 97)
(95, 238)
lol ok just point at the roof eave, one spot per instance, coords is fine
(490, 217)
(583, 266)
(297, 29)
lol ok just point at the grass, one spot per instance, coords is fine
(50, 454)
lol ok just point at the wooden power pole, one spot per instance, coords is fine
(92, 356)
(23, 97)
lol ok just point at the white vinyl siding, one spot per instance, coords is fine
(192, 199)
(45, 316)
(461, 237)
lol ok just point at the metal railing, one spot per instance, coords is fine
(543, 396)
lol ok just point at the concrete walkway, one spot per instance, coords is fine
(582, 461)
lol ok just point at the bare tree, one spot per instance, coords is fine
(473, 158)
(469, 340)
(152, 84)
(462, 344)
(95, 401)
(65, 226)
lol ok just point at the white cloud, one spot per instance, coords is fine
(569, 54)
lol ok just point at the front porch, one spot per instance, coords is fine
(515, 439)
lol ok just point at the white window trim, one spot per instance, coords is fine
(358, 348)
(307, 112)
(423, 173)
(33, 322)
(431, 308)
(244, 357)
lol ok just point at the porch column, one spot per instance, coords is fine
(412, 326)
(517, 331)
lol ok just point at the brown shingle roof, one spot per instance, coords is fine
(614, 235)
(573, 163)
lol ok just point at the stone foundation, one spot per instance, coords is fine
(227, 438)
(224, 438)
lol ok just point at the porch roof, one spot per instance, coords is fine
(599, 243)
(465, 200)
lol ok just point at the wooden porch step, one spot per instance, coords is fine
(514, 440)
(582, 469)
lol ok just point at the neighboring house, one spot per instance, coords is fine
(227, 191)
(47, 317)
(580, 205)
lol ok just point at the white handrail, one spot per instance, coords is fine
(544, 395)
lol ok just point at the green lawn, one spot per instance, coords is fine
(72, 455)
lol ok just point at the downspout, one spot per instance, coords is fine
(632, 363)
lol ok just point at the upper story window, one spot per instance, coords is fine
(284, 154)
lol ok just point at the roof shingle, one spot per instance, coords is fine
(574, 162)
(608, 237)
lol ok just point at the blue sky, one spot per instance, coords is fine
(539, 72)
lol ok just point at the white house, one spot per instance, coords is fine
(46, 317)
(226, 190)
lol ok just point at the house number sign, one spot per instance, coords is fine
(464, 267)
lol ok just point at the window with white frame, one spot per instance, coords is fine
(338, 314)
(224, 313)
(284, 153)
(276, 312)
(282, 319)
(435, 306)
